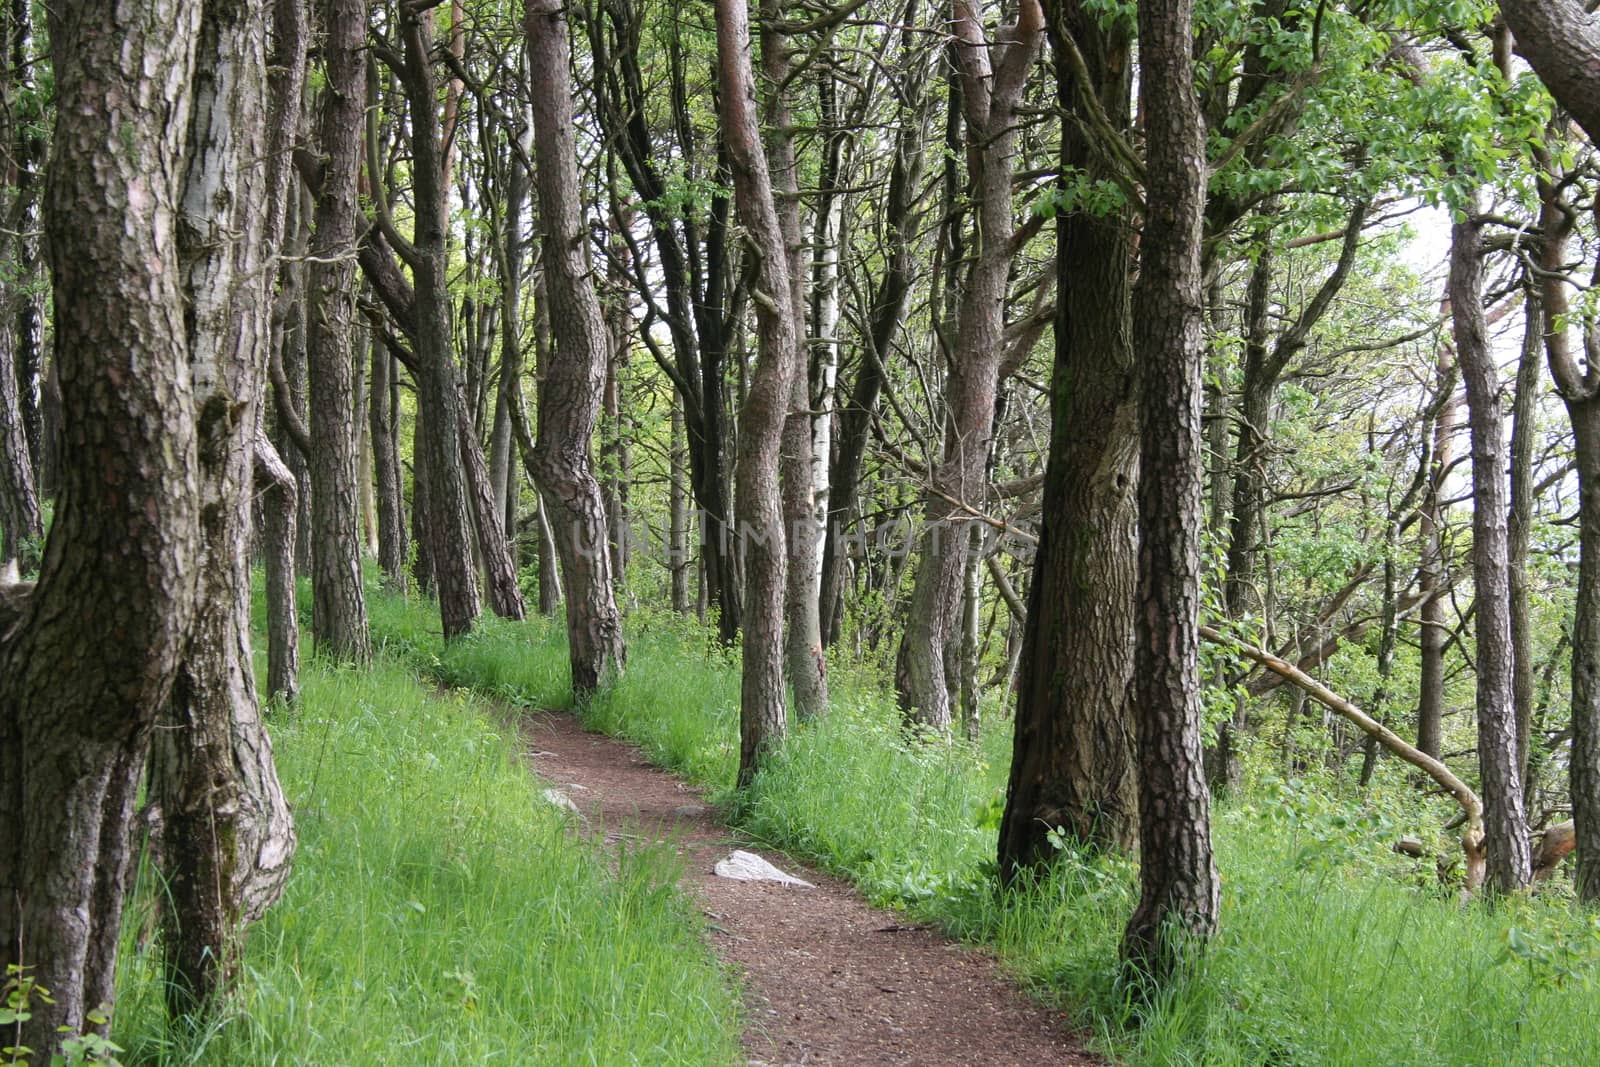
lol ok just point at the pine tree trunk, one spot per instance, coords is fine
(338, 604)
(1073, 755)
(1519, 528)
(227, 834)
(117, 589)
(1177, 909)
(806, 667)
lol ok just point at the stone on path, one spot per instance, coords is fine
(742, 866)
(561, 800)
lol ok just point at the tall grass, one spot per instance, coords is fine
(440, 912)
(1332, 950)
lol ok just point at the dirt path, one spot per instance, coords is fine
(829, 979)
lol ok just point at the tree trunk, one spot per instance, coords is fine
(283, 623)
(338, 604)
(1073, 754)
(990, 93)
(1505, 827)
(1519, 527)
(27, 155)
(763, 718)
(21, 520)
(1433, 577)
(440, 408)
(571, 385)
(505, 588)
(117, 589)
(227, 835)
(385, 436)
(1177, 910)
(678, 562)
(1579, 386)
(805, 664)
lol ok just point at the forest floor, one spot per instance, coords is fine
(827, 979)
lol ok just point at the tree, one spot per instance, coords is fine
(1559, 39)
(1072, 762)
(1177, 907)
(118, 585)
(763, 715)
(993, 76)
(227, 835)
(1505, 826)
(570, 389)
(807, 666)
(338, 605)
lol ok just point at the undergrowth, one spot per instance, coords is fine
(1332, 950)
(441, 912)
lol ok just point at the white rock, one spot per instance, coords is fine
(744, 866)
(561, 800)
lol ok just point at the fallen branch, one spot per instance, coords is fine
(1472, 838)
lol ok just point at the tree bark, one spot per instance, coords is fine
(283, 624)
(227, 835)
(1177, 910)
(805, 663)
(384, 414)
(763, 718)
(1579, 386)
(1505, 827)
(570, 388)
(1561, 42)
(1519, 528)
(117, 588)
(990, 93)
(338, 604)
(1073, 762)
(455, 580)
(1433, 578)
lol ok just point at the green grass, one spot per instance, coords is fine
(440, 912)
(1332, 950)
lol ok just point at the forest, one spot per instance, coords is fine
(1104, 494)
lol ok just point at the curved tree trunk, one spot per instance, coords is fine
(117, 588)
(763, 717)
(570, 388)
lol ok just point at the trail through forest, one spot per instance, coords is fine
(828, 979)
